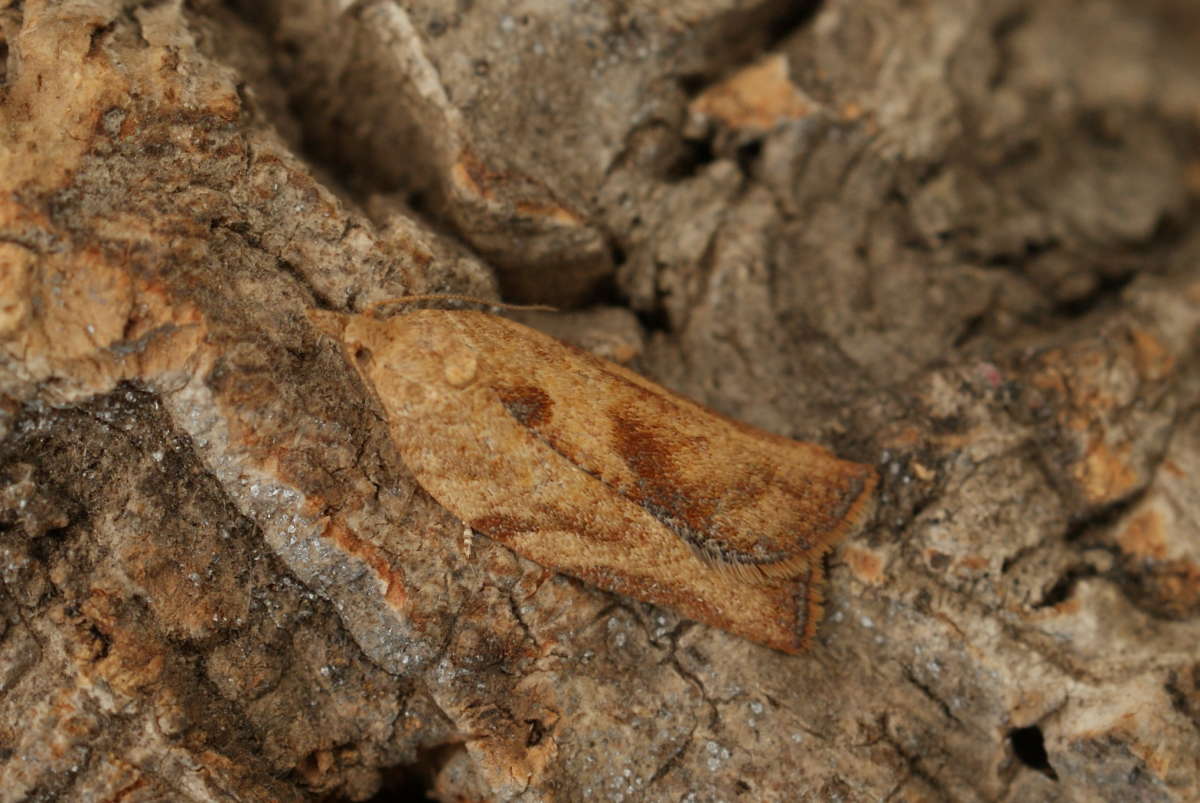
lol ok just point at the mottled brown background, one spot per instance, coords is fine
(957, 240)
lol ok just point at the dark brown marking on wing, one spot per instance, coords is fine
(505, 527)
(660, 487)
(500, 527)
(531, 406)
(681, 503)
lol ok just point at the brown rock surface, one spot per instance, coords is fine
(956, 241)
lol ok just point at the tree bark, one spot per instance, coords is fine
(957, 241)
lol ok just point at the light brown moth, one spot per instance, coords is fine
(591, 470)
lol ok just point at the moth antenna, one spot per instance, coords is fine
(455, 297)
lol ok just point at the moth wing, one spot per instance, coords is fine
(742, 498)
(504, 481)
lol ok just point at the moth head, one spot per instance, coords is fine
(361, 337)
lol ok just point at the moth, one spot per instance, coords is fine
(591, 470)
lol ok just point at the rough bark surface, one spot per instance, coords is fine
(957, 240)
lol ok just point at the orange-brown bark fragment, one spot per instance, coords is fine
(1143, 537)
(757, 98)
(866, 565)
(395, 592)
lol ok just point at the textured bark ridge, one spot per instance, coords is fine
(958, 243)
